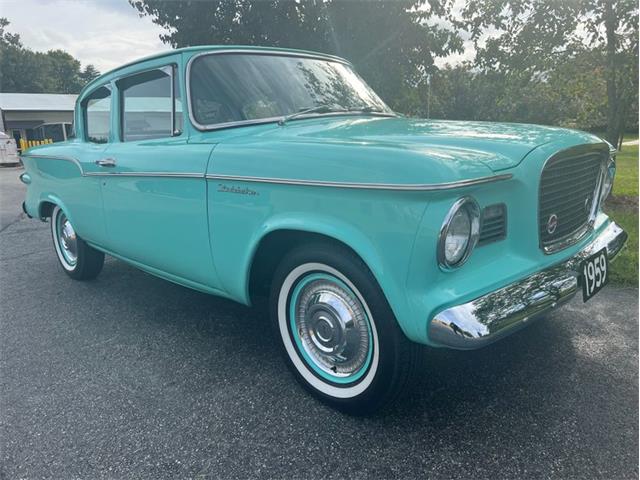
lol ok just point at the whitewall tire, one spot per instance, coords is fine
(337, 332)
(79, 260)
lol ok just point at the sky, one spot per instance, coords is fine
(105, 33)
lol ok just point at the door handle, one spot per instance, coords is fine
(106, 162)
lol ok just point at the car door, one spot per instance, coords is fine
(153, 185)
(77, 187)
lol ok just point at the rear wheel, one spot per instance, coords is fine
(338, 334)
(77, 258)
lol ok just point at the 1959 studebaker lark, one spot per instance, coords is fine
(249, 171)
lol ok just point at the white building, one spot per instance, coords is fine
(21, 113)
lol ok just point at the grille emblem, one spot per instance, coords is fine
(552, 224)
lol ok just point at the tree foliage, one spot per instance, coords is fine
(533, 40)
(391, 42)
(26, 71)
(539, 61)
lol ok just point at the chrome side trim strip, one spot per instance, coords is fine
(411, 187)
(496, 314)
(144, 174)
(415, 187)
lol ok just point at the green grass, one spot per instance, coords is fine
(626, 183)
(624, 269)
(623, 209)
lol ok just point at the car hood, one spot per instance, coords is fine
(368, 149)
(499, 146)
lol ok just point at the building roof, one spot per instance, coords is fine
(41, 102)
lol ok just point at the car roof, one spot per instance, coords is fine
(212, 48)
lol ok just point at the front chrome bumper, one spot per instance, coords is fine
(492, 316)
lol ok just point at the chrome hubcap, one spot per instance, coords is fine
(333, 328)
(67, 239)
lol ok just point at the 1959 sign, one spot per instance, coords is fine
(594, 274)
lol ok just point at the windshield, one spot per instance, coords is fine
(240, 87)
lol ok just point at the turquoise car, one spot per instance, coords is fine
(247, 172)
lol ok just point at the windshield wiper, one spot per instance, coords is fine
(316, 109)
(369, 109)
(365, 109)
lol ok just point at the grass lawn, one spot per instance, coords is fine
(623, 208)
(624, 269)
(626, 183)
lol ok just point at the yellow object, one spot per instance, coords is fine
(25, 144)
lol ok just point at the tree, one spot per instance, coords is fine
(392, 43)
(23, 70)
(89, 73)
(6, 38)
(531, 38)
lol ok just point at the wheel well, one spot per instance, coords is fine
(46, 209)
(273, 247)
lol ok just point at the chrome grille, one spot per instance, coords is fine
(567, 194)
(494, 224)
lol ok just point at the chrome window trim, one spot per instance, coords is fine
(473, 237)
(411, 187)
(575, 237)
(260, 121)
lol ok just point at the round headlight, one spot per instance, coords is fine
(609, 176)
(459, 233)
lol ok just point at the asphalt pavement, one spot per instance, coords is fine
(11, 195)
(130, 376)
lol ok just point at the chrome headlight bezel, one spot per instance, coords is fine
(472, 209)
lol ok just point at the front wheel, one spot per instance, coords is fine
(77, 258)
(339, 335)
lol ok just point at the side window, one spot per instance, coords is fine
(149, 106)
(97, 113)
(69, 131)
(54, 132)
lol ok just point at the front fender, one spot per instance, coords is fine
(328, 226)
(380, 226)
